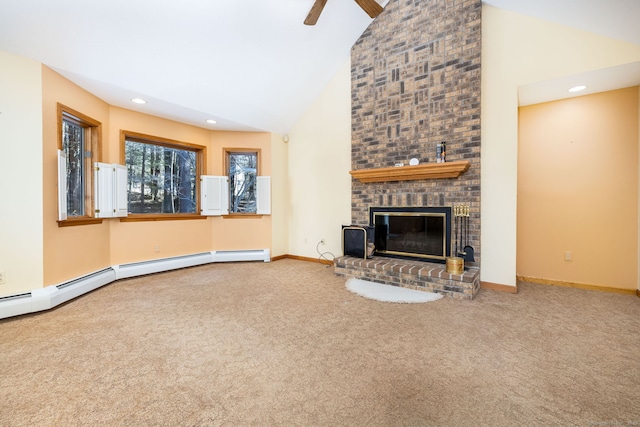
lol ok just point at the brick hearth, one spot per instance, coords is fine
(423, 276)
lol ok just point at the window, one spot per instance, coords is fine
(73, 147)
(242, 192)
(162, 176)
(241, 166)
(79, 142)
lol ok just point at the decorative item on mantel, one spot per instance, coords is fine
(441, 152)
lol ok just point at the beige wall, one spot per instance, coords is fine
(69, 252)
(319, 164)
(279, 196)
(140, 241)
(230, 233)
(519, 50)
(578, 190)
(21, 179)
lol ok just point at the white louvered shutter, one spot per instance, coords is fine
(62, 186)
(263, 195)
(103, 190)
(120, 205)
(214, 192)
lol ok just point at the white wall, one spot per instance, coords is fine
(279, 196)
(319, 163)
(519, 50)
(21, 251)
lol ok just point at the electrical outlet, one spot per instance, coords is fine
(157, 248)
(568, 256)
(2, 277)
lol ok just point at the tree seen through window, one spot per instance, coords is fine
(242, 172)
(73, 146)
(161, 179)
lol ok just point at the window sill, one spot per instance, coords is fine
(242, 215)
(166, 217)
(79, 221)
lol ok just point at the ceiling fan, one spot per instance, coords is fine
(372, 8)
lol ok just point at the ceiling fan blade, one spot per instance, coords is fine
(315, 12)
(372, 8)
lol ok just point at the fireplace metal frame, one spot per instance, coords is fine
(444, 212)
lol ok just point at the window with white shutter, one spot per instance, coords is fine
(79, 147)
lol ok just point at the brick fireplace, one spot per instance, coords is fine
(415, 82)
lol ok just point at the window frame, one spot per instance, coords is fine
(227, 152)
(201, 155)
(93, 142)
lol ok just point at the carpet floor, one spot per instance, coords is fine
(285, 343)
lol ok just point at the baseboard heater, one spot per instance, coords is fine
(133, 269)
(51, 296)
(255, 255)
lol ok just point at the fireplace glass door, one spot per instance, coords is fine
(422, 233)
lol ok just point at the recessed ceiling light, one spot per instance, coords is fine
(138, 100)
(213, 122)
(577, 88)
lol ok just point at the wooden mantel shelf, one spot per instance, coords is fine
(410, 173)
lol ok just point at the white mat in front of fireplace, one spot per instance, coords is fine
(389, 293)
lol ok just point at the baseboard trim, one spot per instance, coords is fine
(498, 287)
(578, 285)
(303, 258)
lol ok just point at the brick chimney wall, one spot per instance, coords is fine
(415, 81)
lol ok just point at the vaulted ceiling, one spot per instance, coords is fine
(248, 64)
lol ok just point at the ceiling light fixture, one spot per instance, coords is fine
(211, 121)
(577, 88)
(138, 100)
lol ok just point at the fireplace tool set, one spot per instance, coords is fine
(461, 215)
